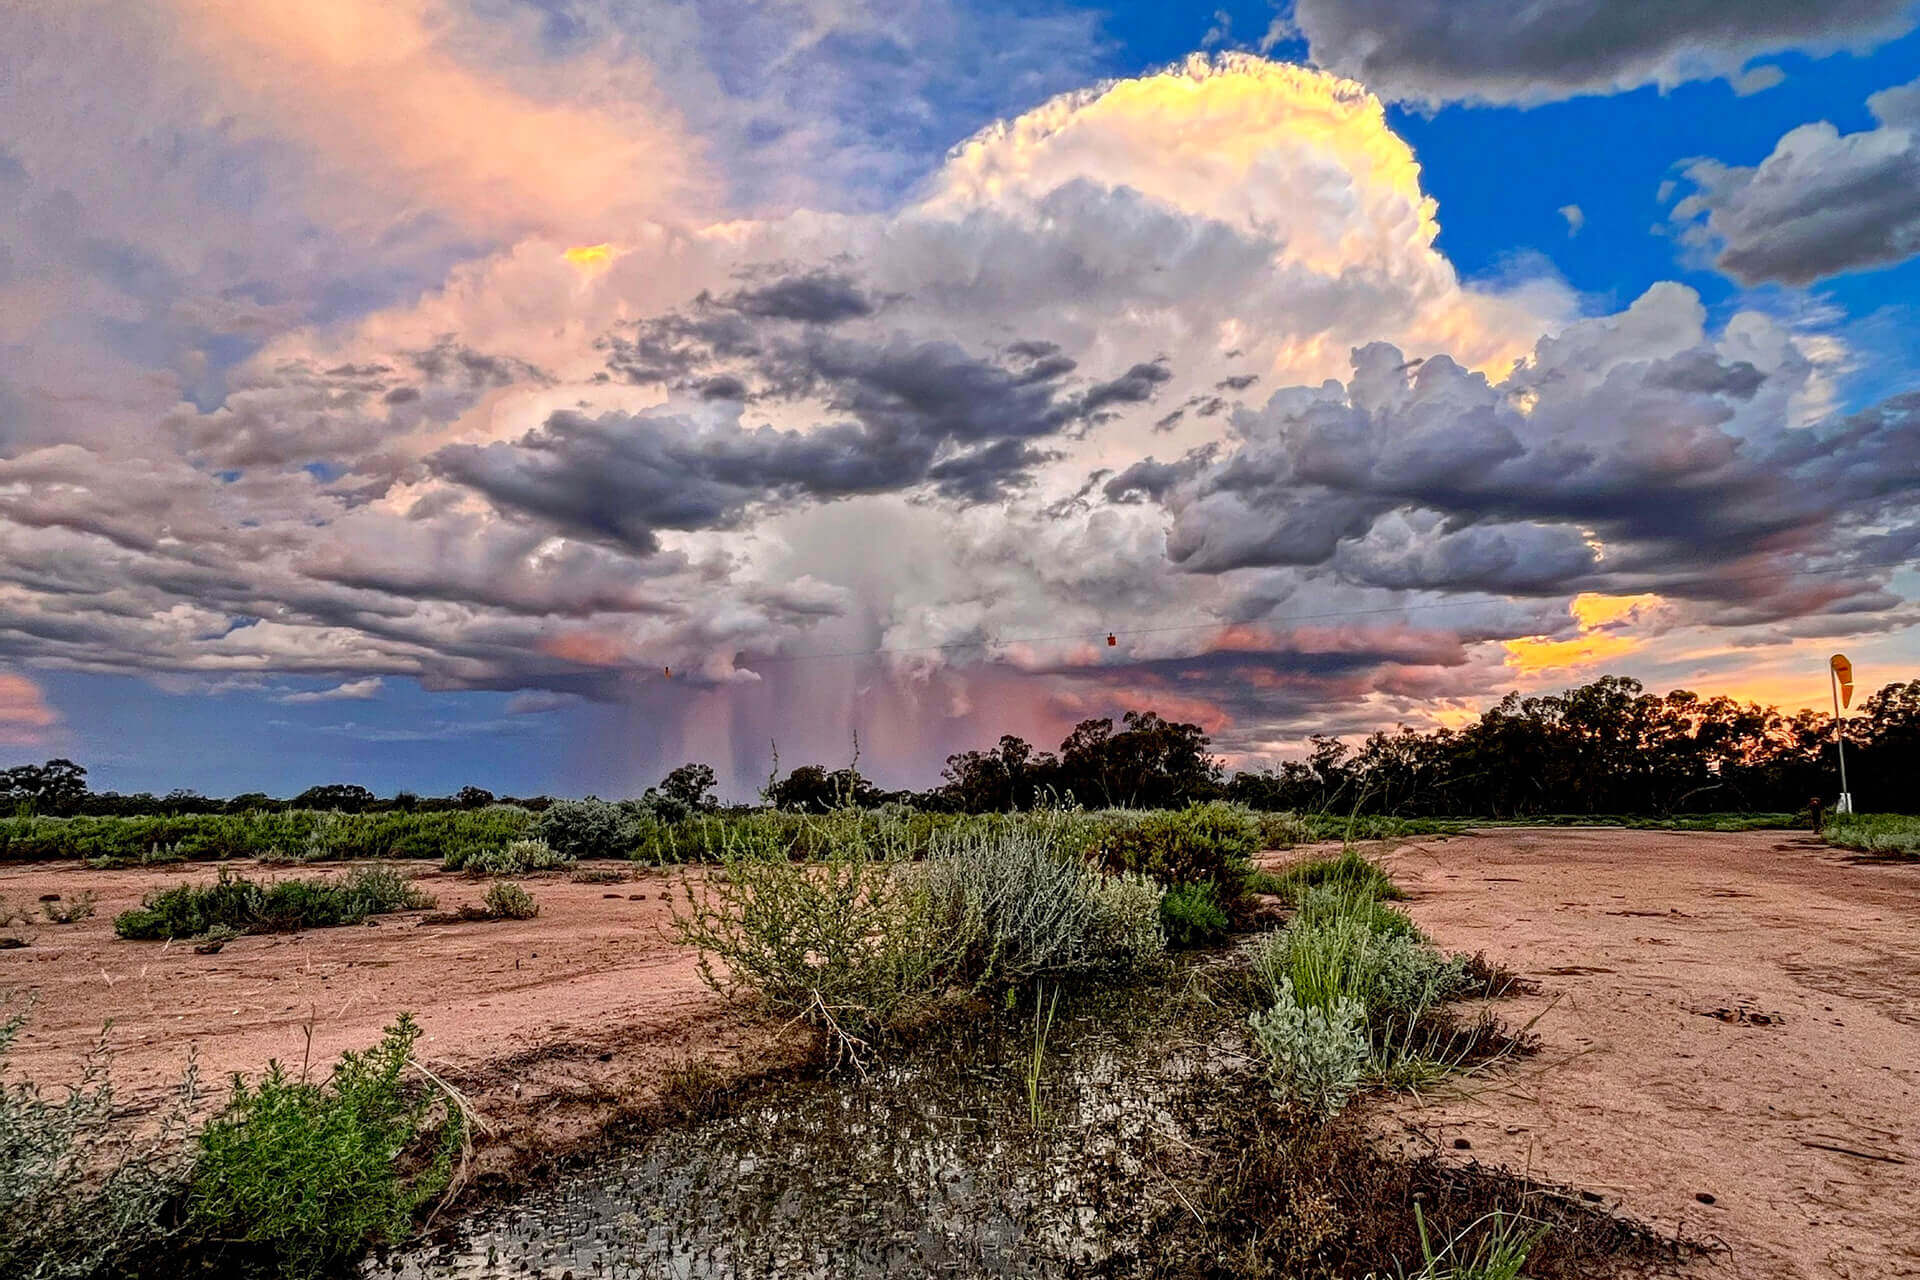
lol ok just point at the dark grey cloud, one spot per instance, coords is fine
(899, 413)
(1651, 473)
(1821, 203)
(816, 297)
(1496, 51)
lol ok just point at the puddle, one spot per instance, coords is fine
(933, 1165)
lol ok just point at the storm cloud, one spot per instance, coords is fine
(1494, 51)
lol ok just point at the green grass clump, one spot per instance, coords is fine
(1191, 915)
(246, 906)
(1495, 1248)
(1887, 834)
(1354, 899)
(304, 1175)
(510, 902)
(1349, 871)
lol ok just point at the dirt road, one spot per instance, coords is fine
(1732, 1016)
(1725, 1016)
(550, 1023)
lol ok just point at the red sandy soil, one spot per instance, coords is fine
(1655, 952)
(1735, 1016)
(549, 1024)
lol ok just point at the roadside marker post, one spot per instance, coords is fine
(1840, 675)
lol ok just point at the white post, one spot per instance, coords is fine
(1845, 803)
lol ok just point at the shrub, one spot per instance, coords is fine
(308, 1174)
(1191, 915)
(517, 857)
(590, 828)
(1214, 841)
(1390, 976)
(1127, 920)
(598, 875)
(1881, 833)
(1337, 899)
(68, 910)
(1315, 1054)
(81, 1195)
(1022, 908)
(510, 902)
(186, 911)
(850, 943)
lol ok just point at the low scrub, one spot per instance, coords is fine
(1886, 834)
(82, 1195)
(1025, 906)
(1202, 843)
(303, 1176)
(68, 910)
(1349, 871)
(285, 835)
(1316, 1055)
(515, 858)
(1191, 915)
(510, 902)
(247, 906)
(1392, 976)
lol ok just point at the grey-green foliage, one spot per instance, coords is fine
(1024, 907)
(851, 943)
(82, 1195)
(516, 857)
(1315, 1056)
(506, 901)
(590, 828)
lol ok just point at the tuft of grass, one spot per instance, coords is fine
(1037, 1060)
(1889, 835)
(188, 911)
(1501, 1244)
(1349, 871)
(303, 1176)
(510, 902)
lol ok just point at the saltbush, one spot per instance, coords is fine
(510, 902)
(307, 1174)
(187, 911)
(1315, 1054)
(82, 1194)
(517, 857)
(590, 828)
(1025, 907)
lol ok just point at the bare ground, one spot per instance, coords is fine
(1736, 1016)
(1733, 1016)
(552, 1025)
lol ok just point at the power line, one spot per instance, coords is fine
(1116, 633)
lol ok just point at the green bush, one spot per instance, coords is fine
(590, 828)
(82, 1195)
(1316, 1055)
(187, 911)
(1335, 899)
(1214, 841)
(1881, 833)
(307, 1175)
(288, 835)
(510, 902)
(1191, 915)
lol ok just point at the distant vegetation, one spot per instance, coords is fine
(234, 905)
(1885, 834)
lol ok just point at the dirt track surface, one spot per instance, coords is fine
(1731, 1015)
(550, 1023)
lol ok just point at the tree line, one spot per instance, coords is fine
(1607, 747)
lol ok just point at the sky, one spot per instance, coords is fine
(539, 394)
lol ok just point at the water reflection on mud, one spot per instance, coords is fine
(933, 1165)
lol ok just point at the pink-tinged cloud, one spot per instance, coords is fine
(24, 714)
